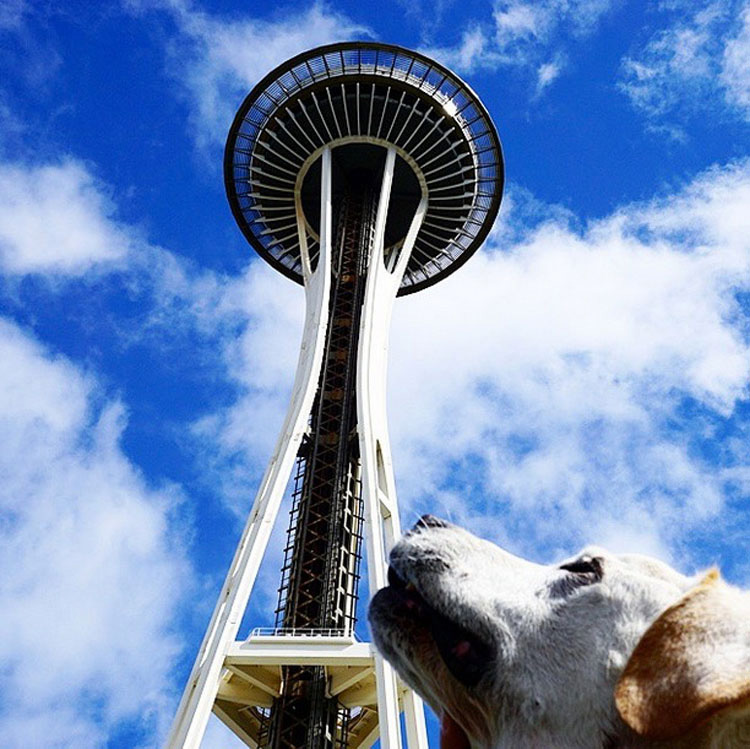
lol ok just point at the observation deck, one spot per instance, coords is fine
(360, 98)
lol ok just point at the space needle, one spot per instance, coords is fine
(362, 171)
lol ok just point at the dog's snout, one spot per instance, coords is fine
(429, 521)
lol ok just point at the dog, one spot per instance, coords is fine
(602, 651)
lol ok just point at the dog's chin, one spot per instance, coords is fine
(438, 657)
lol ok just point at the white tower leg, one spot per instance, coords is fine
(200, 693)
(378, 485)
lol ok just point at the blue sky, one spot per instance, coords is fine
(584, 378)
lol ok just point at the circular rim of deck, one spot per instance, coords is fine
(460, 112)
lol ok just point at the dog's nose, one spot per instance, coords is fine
(429, 521)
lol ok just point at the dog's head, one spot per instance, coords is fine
(513, 653)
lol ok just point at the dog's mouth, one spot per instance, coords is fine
(465, 655)
(452, 736)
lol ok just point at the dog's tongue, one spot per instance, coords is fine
(452, 736)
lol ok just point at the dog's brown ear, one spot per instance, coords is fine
(692, 662)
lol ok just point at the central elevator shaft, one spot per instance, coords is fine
(320, 576)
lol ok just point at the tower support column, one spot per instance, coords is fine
(200, 692)
(378, 483)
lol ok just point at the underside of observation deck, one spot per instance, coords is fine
(363, 92)
(256, 670)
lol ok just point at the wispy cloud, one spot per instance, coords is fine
(57, 219)
(474, 50)
(735, 65)
(59, 222)
(12, 13)
(696, 62)
(564, 364)
(95, 556)
(521, 34)
(93, 561)
(541, 392)
(547, 73)
(261, 357)
(217, 60)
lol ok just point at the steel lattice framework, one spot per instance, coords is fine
(321, 569)
(362, 171)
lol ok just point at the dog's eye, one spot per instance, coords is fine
(586, 565)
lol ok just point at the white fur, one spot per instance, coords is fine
(560, 648)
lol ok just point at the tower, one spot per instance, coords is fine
(362, 171)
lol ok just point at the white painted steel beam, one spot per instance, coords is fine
(267, 679)
(243, 694)
(348, 676)
(200, 692)
(378, 483)
(365, 694)
(229, 721)
(300, 651)
(366, 734)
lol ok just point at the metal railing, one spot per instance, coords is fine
(300, 632)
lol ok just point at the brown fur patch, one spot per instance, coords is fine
(676, 677)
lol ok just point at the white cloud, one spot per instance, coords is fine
(475, 50)
(93, 562)
(12, 13)
(697, 61)
(514, 20)
(522, 34)
(57, 219)
(537, 393)
(546, 74)
(735, 69)
(218, 60)
(556, 368)
(261, 358)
